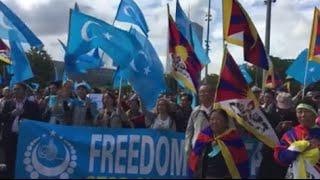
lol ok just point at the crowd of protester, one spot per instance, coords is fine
(69, 104)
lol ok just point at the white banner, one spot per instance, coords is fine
(251, 118)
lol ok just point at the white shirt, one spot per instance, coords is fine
(197, 122)
(15, 125)
(161, 124)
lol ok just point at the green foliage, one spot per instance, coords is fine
(42, 66)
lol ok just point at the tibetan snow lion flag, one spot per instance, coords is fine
(185, 64)
(235, 97)
(240, 30)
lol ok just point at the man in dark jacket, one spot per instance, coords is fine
(14, 111)
(282, 118)
(183, 112)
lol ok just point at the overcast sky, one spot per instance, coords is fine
(290, 28)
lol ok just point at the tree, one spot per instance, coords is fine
(42, 66)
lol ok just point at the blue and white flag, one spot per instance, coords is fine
(81, 64)
(89, 61)
(11, 22)
(47, 151)
(145, 69)
(129, 11)
(297, 70)
(190, 33)
(87, 33)
(118, 79)
(20, 68)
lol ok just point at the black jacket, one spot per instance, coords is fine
(31, 111)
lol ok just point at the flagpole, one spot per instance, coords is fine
(116, 14)
(267, 36)
(119, 96)
(169, 60)
(208, 36)
(305, 79)
(120, 87)
(225, 45)
(189, 11)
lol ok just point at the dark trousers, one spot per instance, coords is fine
(269, 168)
(11, 143)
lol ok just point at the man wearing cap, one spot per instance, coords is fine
(285, 111)
(84, 111)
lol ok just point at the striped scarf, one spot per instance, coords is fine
(232, 148)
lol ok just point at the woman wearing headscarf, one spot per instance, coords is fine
(219, 152)
(298, 148)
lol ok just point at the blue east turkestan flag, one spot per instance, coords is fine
(129, 12)
(87, 33)
(118, 79)
(298, 68)
(81, 64)
(245, 73)
(190, 33)
(145, 69)
(88, 61)
(11, 22)
(20, 68)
